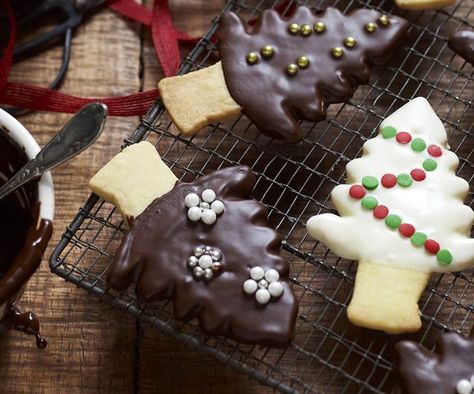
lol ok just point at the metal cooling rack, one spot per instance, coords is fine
(294, 181)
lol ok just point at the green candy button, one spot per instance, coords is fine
(370, 182)
(418, 145)
(444, 257)
(418, 239)
(393, 221)
(389, 132)
(404, 180)
(430, 165)
(369, 202)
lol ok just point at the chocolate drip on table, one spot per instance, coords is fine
(25, 322)
(155, 252)
(462, 43)
(338, 51)
(422, 371)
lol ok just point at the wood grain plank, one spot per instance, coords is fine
(90, 345)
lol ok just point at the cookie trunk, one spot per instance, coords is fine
(386, 298)
(196, 99)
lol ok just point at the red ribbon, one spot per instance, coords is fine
(165, 39)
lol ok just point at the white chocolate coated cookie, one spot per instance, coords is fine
(433, 206)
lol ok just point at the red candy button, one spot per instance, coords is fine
(403, 137)
(357, 191)
(406, 229)
(389, 180)
(432, 246)
(380, 211)
(418, 175)
(435, 151)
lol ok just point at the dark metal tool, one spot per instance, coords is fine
(80, 132)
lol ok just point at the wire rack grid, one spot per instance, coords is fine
(294, 181)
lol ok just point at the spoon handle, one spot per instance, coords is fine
(81, 131)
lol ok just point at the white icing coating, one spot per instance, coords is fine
(434, 206)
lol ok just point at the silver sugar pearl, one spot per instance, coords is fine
(216, 266)
(198, 251)
(263, 284)
(198, 272)
(192, 261)
(204, 205)
(216, 255)
(208, 250)
(208, 274)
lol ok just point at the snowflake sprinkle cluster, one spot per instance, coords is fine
(265, 284)
(465, 386)
(205, 208)
(205, 262)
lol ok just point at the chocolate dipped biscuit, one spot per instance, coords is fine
(207, 246)
(448, 370)
(462, 43)
(283, 69)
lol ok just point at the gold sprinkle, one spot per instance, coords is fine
(306, 30)
(370, 27)
(252, 58)
(319, 27)
(302, 61)
(337, 52)
(350, 42)
(267, 51)
(291, 69)
(384, 21)
(294, 28)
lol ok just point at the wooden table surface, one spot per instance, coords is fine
(91, 346)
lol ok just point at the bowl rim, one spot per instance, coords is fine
(24, 138)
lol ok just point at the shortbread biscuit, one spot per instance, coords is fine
(402, 217)
(196, 99)
(133, 179)
(281, 70)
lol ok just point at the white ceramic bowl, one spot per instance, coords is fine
(45, 186)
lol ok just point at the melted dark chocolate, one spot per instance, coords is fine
(154, 254)
(16, 210)
(23, 238)
(26, 322)
(422, 371)
(462, 43)
(275, 101)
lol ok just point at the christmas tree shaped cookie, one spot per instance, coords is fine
(206, 246)
(280, 70)
(450, 369)
(402, 217)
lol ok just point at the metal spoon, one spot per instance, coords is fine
(80, 132)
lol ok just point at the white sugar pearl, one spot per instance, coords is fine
(263, 284)
(194, 214)
(257, 273)
(208, 195)
(250, 286)
(272, 275)
(262, 296)
(275, 289)
(472, 380)
(464, 387)
(204, 205)
(192, 200)
(217, 206)
(209, 216)
(205, 261)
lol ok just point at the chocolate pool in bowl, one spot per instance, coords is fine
(25, 226)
